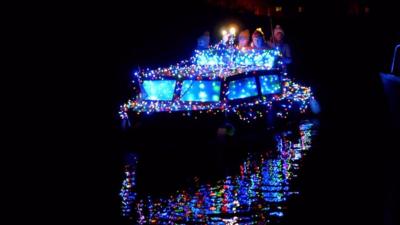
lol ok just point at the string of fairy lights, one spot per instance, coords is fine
(216, 64)
(127, 192)
(257, 193)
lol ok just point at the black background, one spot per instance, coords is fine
(91, 50)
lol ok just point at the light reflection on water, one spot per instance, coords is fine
(257, 195)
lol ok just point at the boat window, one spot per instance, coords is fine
(201, 91)
(158, 89)
(270, 84)
(242, 88)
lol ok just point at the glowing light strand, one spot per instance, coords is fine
(257, 193)
(216, 64)
(127, 193)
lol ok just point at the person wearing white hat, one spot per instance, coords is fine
(277, 42)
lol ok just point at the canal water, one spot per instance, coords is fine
(255, 188)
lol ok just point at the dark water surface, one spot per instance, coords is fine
(257, 191)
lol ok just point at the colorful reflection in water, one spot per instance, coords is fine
(258, 194)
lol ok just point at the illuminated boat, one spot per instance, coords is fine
(246, 83)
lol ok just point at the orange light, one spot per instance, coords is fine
(232, 30)
(223, 32)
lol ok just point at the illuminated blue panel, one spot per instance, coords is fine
(201, 91)
(242, 88)
(270, 84)
(158, 89)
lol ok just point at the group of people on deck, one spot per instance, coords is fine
(258, 41)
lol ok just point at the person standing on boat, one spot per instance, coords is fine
(258, 40)
(243, 40)
(203, 42)
(277, 41)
